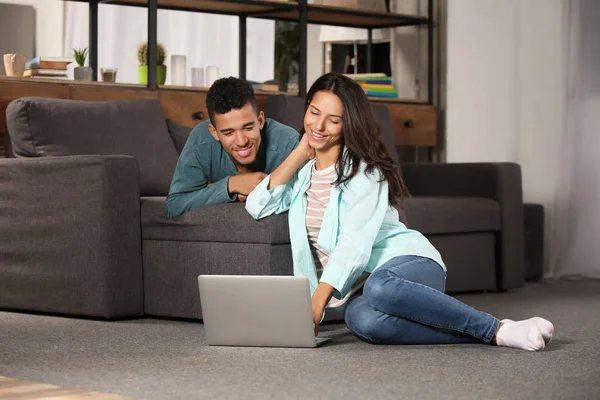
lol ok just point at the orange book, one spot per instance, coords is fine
(376, 86)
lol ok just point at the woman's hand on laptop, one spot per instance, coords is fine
(319, 300)
(317, 312)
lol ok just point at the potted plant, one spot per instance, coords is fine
(287, 52)
(161, 68)
(82, 73)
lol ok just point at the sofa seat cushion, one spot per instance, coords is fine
(441, 215)
(41, 127)
(223, 223)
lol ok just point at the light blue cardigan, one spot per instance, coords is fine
(360, 230)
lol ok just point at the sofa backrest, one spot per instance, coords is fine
(8, 151)
(40, 127)
(289, 110)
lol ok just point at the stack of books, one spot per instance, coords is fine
(47, 67)
(376, 85)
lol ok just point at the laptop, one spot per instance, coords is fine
(257, 310)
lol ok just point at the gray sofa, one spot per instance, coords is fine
(83, 229)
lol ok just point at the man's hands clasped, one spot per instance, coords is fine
(245, 183)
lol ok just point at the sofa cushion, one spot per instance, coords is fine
(179, 134)
(228, 223)
(225, 223)
(42, 127)
(440, 215)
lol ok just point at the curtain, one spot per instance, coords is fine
(578, 198)
(205, 39)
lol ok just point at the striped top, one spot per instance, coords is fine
(317, 200)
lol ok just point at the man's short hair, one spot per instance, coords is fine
(228, 94)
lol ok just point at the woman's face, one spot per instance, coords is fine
(323, 121)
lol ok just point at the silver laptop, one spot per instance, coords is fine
(257, 310)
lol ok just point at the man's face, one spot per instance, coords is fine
(239, 133)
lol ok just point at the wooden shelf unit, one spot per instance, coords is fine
(414, 120)
(300, 11)
(285, 11)
(414, 124)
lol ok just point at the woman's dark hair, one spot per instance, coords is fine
(228, 94)
(360, 135)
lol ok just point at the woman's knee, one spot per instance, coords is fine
(362, 320)
(375, 288)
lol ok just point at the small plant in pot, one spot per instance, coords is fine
(82, 73)
(287, 52)
(161, 68)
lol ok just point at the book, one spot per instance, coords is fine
(48, 63)
(374, 79)
(386, 90)
(63, 77)
(373, 75)
(44, 72)
(392, 93)
(382, 81)
(52, 59)
(269, 87)
(374, 86)
(384, 95)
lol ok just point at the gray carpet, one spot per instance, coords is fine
(161, 359)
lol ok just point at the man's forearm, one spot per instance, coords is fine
(215, 193)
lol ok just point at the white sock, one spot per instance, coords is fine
(523, 335)
(543, 325)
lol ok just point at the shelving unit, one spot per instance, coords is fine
(414, 120)
(267, 9)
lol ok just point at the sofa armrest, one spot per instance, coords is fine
(499, 181)
(70, 238)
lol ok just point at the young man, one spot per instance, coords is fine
(226, 157)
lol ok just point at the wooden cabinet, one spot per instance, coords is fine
(185, 107)
(414, 124)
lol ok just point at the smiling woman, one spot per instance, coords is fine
(343, 191)
(323, 123)
(335, 103)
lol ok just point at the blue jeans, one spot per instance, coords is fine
(403, 302)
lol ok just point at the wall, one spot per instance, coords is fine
(408, 53)
(17, 31)
(315, 55)
(49, 27)
(506, 91)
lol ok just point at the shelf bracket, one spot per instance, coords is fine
(152, 43)
(302, 70)
(93, 39)
(242, 47)
(369, 50)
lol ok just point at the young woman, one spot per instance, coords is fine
(343, 192)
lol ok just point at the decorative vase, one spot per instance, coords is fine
(83, 73)
(161, 74)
